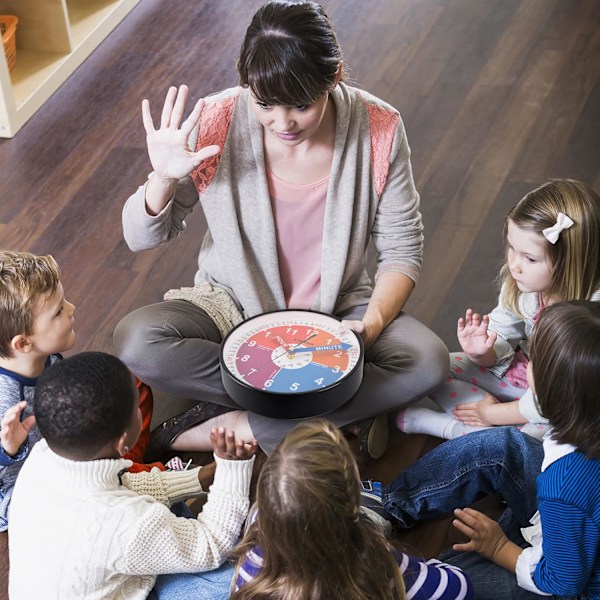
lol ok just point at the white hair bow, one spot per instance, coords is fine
(552, 233)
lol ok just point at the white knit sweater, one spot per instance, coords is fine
(77, 533)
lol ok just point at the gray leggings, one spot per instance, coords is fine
(174, 346)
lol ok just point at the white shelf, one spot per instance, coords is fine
(53, 39)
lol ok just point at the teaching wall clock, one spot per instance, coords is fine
(291, 364)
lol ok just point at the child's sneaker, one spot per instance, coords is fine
(176, 464)
(371, 493)
(372, 489)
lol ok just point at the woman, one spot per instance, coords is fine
(296, 173)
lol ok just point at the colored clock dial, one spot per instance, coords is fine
(291, 352)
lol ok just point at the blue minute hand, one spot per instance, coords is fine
(341, 346)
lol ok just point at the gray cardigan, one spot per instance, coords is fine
(238, 253)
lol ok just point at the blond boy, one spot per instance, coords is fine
(36, 324)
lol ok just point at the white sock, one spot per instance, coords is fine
(459, 428)
(424, 420)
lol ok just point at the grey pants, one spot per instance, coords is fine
(174, 346)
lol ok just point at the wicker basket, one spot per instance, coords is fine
(8, 28)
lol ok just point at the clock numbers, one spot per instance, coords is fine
(290, 351)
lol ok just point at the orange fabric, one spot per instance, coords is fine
(215, 120)
(383, 124)
(136, 454)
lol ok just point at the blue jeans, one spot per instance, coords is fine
(455, 474)
(208, 585)
(460, 471)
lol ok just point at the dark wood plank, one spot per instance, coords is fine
(496, 97)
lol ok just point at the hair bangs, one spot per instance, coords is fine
(279, 77)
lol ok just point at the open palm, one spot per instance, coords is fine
(168, 146)
(473, 335)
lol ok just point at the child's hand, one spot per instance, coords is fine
(477, 414)
(206, 475)
(486, 536)
(13, 431)
(473, 334)
(225, 446)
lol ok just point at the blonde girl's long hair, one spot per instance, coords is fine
(314, 543)
(575, 257)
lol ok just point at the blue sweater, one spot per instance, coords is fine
(13, 389)
(569, 506)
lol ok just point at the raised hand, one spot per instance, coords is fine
(225, 445)
(13, 431)
(168, 147)
(473, 334)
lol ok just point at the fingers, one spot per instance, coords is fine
(226, 446)
(486, 536)
(466, 407)
(466, 547)
(218, 438)
(13, 414)
(167, 111)
(472, 518)
(467, 523)
(193, 118)
(28, 423)
(179, 107)
(247, 450)
(491, 339)
(468, 418)
(147, 117)
(205, 153)
(356, 326)
(470, 319)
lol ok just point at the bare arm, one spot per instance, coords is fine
(390, 294)
(489, 411)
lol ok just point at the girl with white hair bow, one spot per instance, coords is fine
(552, 238)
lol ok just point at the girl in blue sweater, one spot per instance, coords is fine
(557, 551)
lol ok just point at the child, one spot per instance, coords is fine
(36, 324)
(87, 535)
(552, 241)
(559, 554)
(309, 539)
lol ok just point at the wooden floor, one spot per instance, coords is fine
(496, 96)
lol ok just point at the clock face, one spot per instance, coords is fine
(290, 352)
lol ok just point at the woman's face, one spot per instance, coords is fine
(290, 125)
